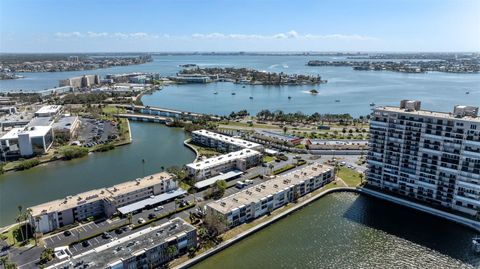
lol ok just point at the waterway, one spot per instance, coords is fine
(157, 144)
(346, 230)
(338, 231)
(354, 89)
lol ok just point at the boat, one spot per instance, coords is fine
(372, 104)
(243, 86)
(467, 92)
(233, 93)
(215, 93)
(289, 97)
(251, 97)
(337, 101)
(476, 244)
(313, 91)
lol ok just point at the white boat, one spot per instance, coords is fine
(476, 244)
(372, 104)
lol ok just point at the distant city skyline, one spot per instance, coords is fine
(264, 25)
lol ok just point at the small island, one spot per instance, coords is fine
(248, 76)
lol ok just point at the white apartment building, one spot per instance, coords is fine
(261, 199)
(433, 157)
(100, 202)
(28, 140)
(238, 160)
(222, 143)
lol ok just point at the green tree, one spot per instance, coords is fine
(46, 255)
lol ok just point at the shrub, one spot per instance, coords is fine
(73, 152)
(104, 147)
(27, 164)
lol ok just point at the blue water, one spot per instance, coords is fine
(355, 89)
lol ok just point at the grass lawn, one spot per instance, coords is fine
(350, 176)
(208, 152)
(14, 236)
(268, 159)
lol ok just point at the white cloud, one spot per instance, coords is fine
(93, 34)
(288, 35)
(294, 35)
(68, 34)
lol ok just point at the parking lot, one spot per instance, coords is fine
(93, 132)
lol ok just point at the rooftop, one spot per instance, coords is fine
(225, 176)
(33, 131)
(118, 250)
(151, 201)
(49, 109)
(65, 122)
(99, 194)
(428, 113)
(225, 158)
(227, 139)
(268, 188)
(41, 121)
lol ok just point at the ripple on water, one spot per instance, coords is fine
(345, 230)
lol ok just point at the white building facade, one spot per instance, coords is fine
(433, 157)
(238, 160)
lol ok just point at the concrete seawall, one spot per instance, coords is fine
(186, 144)
(259, 227)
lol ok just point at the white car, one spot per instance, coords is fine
(158, 208)
(141, 220)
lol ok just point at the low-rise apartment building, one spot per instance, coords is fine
(100, 202)
(222, 143)
(152, 247)
(238, 160)
(429, 156)
(261, 199)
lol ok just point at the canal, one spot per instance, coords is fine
(157, 144)
(346, 230)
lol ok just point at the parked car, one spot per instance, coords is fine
(151, 216)
(158, 208)
(119, 231)
(106, 235)
(85, 243)
(67, 233)
(141, 220)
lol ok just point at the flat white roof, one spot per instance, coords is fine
(33, 131)
(215, 161)
(49, 109)
(268, 188)
(228, 139)
(207, 182)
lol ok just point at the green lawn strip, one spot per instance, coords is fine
(284, 169)
(267, 159)
(349, 176)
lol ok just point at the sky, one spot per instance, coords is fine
(246, 25)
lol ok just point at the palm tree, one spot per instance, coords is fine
(19, 219)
